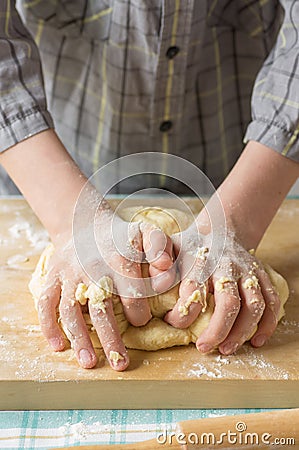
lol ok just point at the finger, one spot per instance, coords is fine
(252, 308)
(162, 280)
(269, 321)
(157, 247)
(104, 321)
(192, 301)
(46, 308)
(227, 306)
(75, 327)
(131, 290)
(192, 293)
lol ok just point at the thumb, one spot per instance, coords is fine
(157, 247)
(158, 250)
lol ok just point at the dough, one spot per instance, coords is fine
(156, 334)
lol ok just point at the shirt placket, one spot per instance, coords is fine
(170, 81)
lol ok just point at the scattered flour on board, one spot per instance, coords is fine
(37, 238)
(17, 259)
(254, 364)
(214, 369)
(260, 365)
(289, 326)
(201, 370)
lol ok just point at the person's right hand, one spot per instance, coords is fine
(124, 269)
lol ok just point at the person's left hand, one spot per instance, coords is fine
(246, 304)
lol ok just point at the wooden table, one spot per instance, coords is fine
(34, 377)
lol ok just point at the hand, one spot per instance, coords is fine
(246, 305)
(66, 272)
(60, 183)
(249, 199)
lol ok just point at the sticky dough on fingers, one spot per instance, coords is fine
(156, 334)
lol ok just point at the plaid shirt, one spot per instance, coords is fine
(172, 76)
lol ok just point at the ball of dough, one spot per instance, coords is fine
(156, 334)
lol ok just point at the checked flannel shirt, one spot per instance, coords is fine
(195, 78)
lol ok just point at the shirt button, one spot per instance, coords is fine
(166, 125)
(172, 52)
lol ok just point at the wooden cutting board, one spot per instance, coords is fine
(32, 376)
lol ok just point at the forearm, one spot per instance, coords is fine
(48, 178)
(254, 190)
(251, 194)
(23, 110)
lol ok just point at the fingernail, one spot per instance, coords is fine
(229, 348)
(258, 341)
(85, 357)
(118, 361)
(204, 348)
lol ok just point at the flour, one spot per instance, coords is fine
(37, 238)
(32, 328)
(16, 260)
(3, 342)
(202, 370)
(260, 364)
(221, 361)
(289, 326)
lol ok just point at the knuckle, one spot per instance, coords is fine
(231, 304)
(128, 302)
(262, 274)
(182, 322)
(193, 270)
(43, 308)
(188, 284)
(228, 322)
(43, 300)
(256, 306)
(230, 313)
(216, 337)
(134, 293)
(225, 285)
(124, 265)
(250, 283)
(274, 304)
(67, 309)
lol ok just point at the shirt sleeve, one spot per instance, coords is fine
(275, 98)
(23, 108)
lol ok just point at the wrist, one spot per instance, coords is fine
(234, 226)
(88, 212)
(254, 190)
